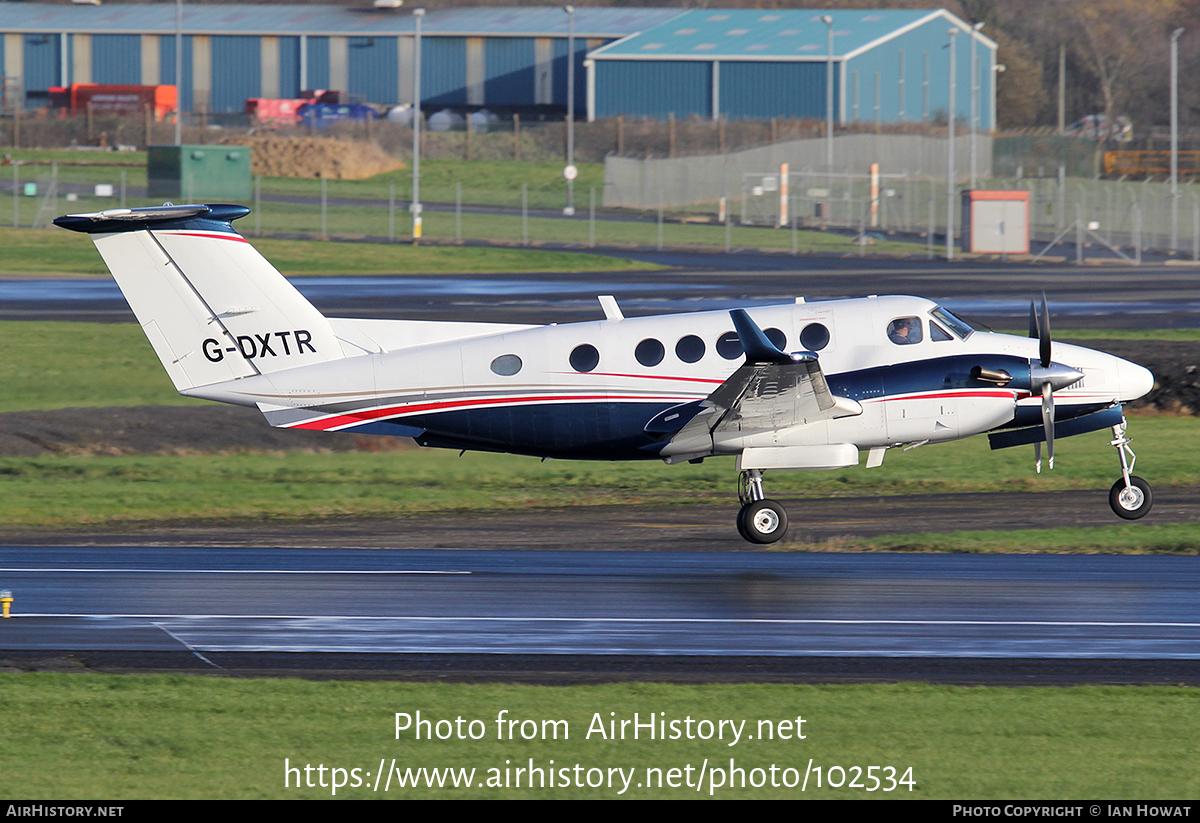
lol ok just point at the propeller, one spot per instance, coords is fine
(1047, 376)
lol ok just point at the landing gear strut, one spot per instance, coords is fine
(1131, 496)
(759, 520)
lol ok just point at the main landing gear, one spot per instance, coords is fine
(759, 520)
(1131, 496)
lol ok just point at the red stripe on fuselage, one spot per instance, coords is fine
(367, 415)
(1012, 395)
(396, 411)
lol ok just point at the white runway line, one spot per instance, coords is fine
(655, 620)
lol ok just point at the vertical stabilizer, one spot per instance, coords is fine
(213, 308)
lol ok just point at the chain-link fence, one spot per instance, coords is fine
(462, 211)
(703, 181)
(1096, 214)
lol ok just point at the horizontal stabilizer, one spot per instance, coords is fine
(215, 217)
(1112, 416)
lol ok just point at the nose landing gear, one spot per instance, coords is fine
(759, 520)
(1130, 497)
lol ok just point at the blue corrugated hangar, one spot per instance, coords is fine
(470, 57)
(887, 66)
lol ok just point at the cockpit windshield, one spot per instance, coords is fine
(956, 325)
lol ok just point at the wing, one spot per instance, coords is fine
(772, 390)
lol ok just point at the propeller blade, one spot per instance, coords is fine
(1044, 336)
(1037, 457)
(1048, 419)
(1034, 332)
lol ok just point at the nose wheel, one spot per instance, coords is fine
(759, 520)
(1130, 497)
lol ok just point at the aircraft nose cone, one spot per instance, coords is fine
(1136, 381)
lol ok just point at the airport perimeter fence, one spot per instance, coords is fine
(1105, 217)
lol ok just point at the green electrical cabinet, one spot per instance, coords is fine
(196, 174)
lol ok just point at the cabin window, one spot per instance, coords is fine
(649, 352)
(937, 333)
(814, 337)
(506, 365)
(904, 331)
(729, 346)
(777, 337)
(584, 357)
(690, 349)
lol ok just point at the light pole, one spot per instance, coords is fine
(570, 171)
(951, 112)
(178, 72)
(828, 21)
(415, 206)
(1175, 137)
(974, 97)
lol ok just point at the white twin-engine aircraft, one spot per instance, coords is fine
(797, 386)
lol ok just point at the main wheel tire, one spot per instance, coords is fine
(763, 521)
(1131, 502)
(741, 524)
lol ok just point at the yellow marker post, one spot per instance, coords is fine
(6, 600)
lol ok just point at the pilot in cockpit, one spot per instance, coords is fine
(905, 331)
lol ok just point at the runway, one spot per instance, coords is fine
(231, 609)
(1152, 296)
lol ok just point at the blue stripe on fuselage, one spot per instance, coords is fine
(614, 430)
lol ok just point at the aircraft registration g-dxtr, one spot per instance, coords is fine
(796, 386)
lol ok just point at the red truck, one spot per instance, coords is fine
(114, 99)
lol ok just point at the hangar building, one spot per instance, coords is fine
(887, 65)
(891, 66)
(470, 57)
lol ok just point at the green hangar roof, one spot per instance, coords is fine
(728, 34)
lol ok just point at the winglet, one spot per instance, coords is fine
(757, 346)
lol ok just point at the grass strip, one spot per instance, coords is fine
(51, 365)
(87, 736)
(1142, 538)
(57, 253)
(64, 491)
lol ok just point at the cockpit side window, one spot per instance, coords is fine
(904, 331)
(937, 333)
(952, 322)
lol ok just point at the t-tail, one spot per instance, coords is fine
(213, 308)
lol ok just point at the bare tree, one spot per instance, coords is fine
(1121, 41)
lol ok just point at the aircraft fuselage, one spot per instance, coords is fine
(588, 390)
